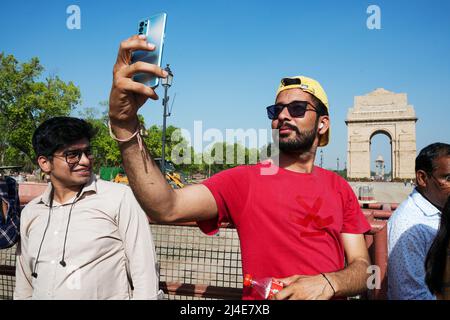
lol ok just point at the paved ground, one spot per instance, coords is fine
(386, 192)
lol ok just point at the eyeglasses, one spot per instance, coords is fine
(296, 109)
(74, 156)
(442, 180)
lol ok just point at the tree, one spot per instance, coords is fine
(26, 102)
(106, 150)
(268, 151)
(153, 140)
(222, 156)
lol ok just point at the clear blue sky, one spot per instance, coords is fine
(228, 56)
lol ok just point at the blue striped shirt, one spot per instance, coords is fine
(9, 224)
(411, 231)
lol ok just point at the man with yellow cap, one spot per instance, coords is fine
(300, 224)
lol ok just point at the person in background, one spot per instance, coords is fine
(9, 212)
(437, 263)
(413, 226)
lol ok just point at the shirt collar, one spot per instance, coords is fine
(45, 197)
(91, 186)
(424, 205)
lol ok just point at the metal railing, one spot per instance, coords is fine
(191, 264)
(198, 266)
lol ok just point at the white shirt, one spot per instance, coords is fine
(411, 231)
(109, 244)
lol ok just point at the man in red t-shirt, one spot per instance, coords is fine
(296, 222)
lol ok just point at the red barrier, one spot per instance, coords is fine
(30, 190)
(378, 251)
(378, 214)
(380, 206)
(202, 291)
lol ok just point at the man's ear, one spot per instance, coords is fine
(324, 124)
(422, 178)
(45, 164)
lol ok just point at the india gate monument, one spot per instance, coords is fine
(381, 112)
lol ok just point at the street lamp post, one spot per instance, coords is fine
(166, 83)
(321, 158)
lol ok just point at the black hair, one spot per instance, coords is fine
(436, 260)
(320, 107)
(58, 132)
(426, 157)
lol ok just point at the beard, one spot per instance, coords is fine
(302, 142)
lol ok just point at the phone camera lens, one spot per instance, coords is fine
(142, 23)
(141, 29)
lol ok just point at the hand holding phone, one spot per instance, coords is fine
(154, 29)
(127, 96)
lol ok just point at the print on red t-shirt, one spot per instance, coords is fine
(311, 216)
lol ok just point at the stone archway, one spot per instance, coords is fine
(389, 136)
(383, 112)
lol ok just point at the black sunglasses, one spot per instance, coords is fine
(296, 109)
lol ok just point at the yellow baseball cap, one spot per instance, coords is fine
(311, 86)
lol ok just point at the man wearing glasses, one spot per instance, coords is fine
(301, 224)
(83, 238)
(413, 226)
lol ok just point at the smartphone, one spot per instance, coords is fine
(154, 29)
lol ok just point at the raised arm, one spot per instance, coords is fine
(156, 197)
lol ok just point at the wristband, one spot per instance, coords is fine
(334, 291)
(136, 134)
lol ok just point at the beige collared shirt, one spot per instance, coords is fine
(109, 244)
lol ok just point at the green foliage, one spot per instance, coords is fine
(342, 173)
(107, 153)
(153, 140)
(12, 156)
(107, 150)
(222, 156)
(25, 102)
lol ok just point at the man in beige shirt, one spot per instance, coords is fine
(83, 238)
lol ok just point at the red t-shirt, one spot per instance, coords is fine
(288, 223)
